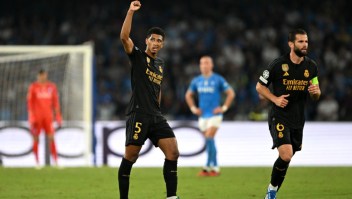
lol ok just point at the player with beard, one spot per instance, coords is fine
(293, 76)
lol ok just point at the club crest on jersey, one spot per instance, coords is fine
(306, 73)
(49, 90)
(148, 61)
(285, 69)
(161, 69)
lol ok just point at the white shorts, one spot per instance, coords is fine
(206, 123)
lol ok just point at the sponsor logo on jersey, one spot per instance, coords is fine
(306, 73)
(161, 69)
(285, 68)
(206, 89)
(154, 77)
(294, 84)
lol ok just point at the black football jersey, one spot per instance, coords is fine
(146, 79)
(289, 78)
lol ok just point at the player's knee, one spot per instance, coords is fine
(176, 154)
(36, 138)
(132, 153)
(173, 155)
(131, 157)
(286, 157)
(210, 133)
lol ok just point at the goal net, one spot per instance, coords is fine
(70, 68)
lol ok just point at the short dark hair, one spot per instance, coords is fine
(156, 30)
(293, 33)
(41, 71)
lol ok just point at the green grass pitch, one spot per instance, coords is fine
(147, 183)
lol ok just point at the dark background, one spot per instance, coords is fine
(241, 36)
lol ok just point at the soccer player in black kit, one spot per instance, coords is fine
(144, 115)
(293, 76)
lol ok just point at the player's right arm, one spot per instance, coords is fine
(189, 97)
(30, 104)
(264, 91)
(126, 27)
(191, 104)
(262, 86)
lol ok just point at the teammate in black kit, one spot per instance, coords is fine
(292, 76)
(144, 115)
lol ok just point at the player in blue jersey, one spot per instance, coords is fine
(209, 87)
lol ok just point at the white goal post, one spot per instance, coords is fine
(70, 67)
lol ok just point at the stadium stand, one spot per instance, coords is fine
(242, 36)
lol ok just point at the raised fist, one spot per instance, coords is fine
(135, 5)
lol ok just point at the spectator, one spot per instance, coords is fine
(193, 30)
(328, 109)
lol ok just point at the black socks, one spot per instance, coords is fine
(279, 171)
(124, 177)
(170, 177)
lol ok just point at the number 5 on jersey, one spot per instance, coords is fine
(138, 129)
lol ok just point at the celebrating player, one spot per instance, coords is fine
(144, 115)
(292, 76)
(43, 104)
(209, 86)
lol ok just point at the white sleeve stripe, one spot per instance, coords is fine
(263, 80)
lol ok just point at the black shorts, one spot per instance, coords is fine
(282, 134)
(141, 126)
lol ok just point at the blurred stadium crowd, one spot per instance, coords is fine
(241, 36)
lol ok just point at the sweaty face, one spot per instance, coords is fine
(154, 43)
(300, 45)
(206, 65)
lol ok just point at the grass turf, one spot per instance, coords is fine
(147, 183)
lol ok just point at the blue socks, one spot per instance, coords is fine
(211, 151)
